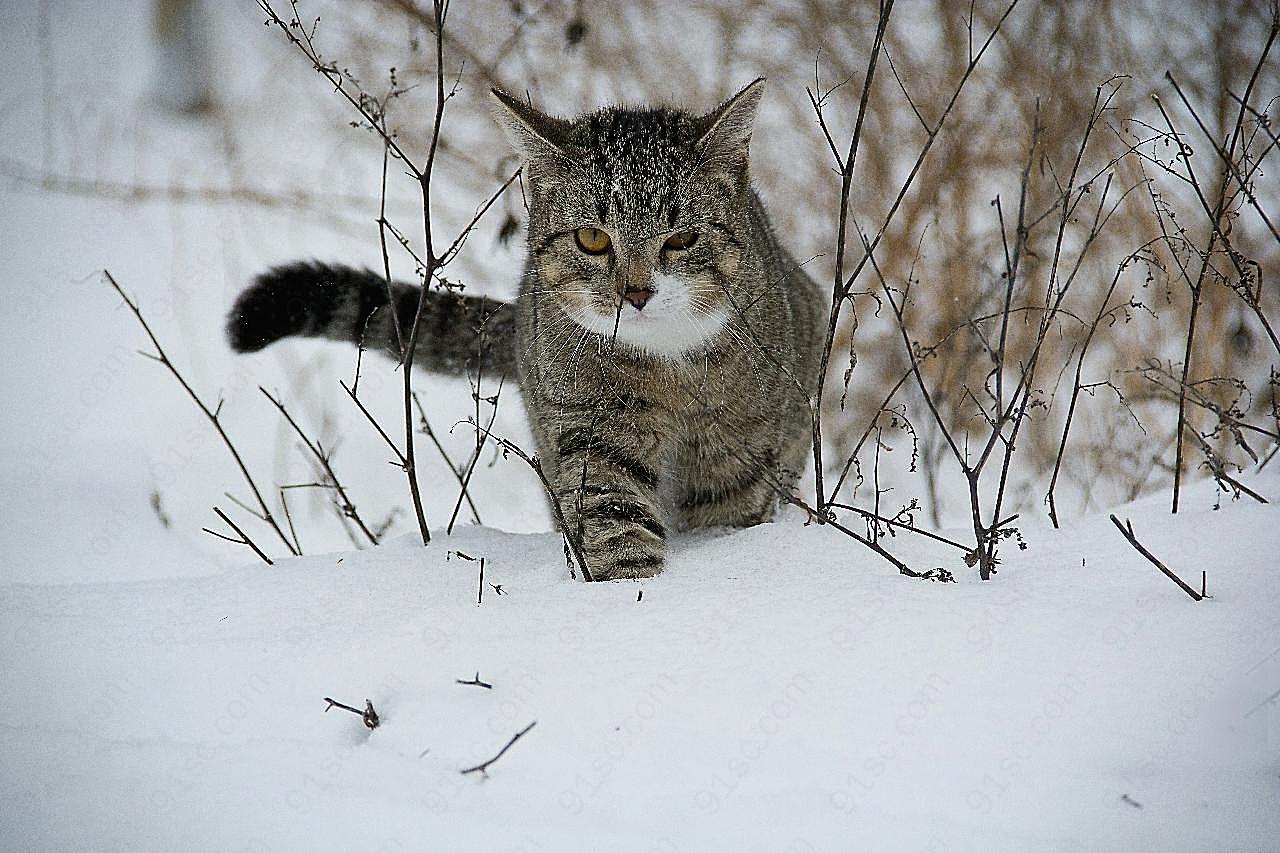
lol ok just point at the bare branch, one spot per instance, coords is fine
(483, 768)
(344, 503)
(209, 414)
(1126, 529)
(243, 540)
(368, 715)
(474, 682)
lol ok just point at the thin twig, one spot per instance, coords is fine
(452, 252)
(344, 502)
(483, 768)
(243, 540)
(839, 288)
(425, 426)
(470, 468)
(1126, 529)
(371, 419)
(368, 715)
(424, 175)
(892, 523)
(288, 517)
(1076, 387)
(474, 681)
(212, 415)
(571, 542)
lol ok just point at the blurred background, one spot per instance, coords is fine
(185, 146)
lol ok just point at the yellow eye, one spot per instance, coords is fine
(681, 240)
(593, 241)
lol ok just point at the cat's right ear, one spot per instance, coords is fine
(538, 138)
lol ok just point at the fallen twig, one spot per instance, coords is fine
(475, 682)
(369, 715)
(1127, 530)
(465, 556)
(483, 769)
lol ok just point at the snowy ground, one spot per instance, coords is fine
(776, 689)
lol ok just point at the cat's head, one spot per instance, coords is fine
(638, 217)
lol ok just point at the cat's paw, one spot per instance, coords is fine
(626, 567)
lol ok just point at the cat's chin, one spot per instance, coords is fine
(667, 327)
(661, 335)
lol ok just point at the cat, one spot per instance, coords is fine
(665, 344)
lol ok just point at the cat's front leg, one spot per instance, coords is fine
(726, 481)
(608, 491)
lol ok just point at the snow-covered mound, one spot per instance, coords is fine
(777, 688)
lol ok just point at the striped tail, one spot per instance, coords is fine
(458, 333)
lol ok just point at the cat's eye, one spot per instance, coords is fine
(593, 241)
(681, 240)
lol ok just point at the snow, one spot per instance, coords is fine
(774, 689)
(777, 688)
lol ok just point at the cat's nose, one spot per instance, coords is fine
(638, 298)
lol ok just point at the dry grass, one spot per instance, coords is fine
(1136, 242)
(1045, 67)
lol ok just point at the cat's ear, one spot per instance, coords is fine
(538, 138)
(725, 132)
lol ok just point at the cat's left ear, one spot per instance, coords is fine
(726, 131)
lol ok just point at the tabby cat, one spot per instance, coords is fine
(664, 341)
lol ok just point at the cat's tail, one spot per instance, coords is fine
(458, 333)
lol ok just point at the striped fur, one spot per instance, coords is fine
(651, 427)
(684, 408)
(310, 299)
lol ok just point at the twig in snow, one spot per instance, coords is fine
(157, 506)
(462, 555)
(899, 521)
(570, 541)
(483, 769)
(373, 111)
(343, 503)
(369, 715)
(213, 415)
(1127, 530)
(1262, 704)
(243, 540)
(482, 436)
(284, 504)
(475, 682)
(425, 426)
